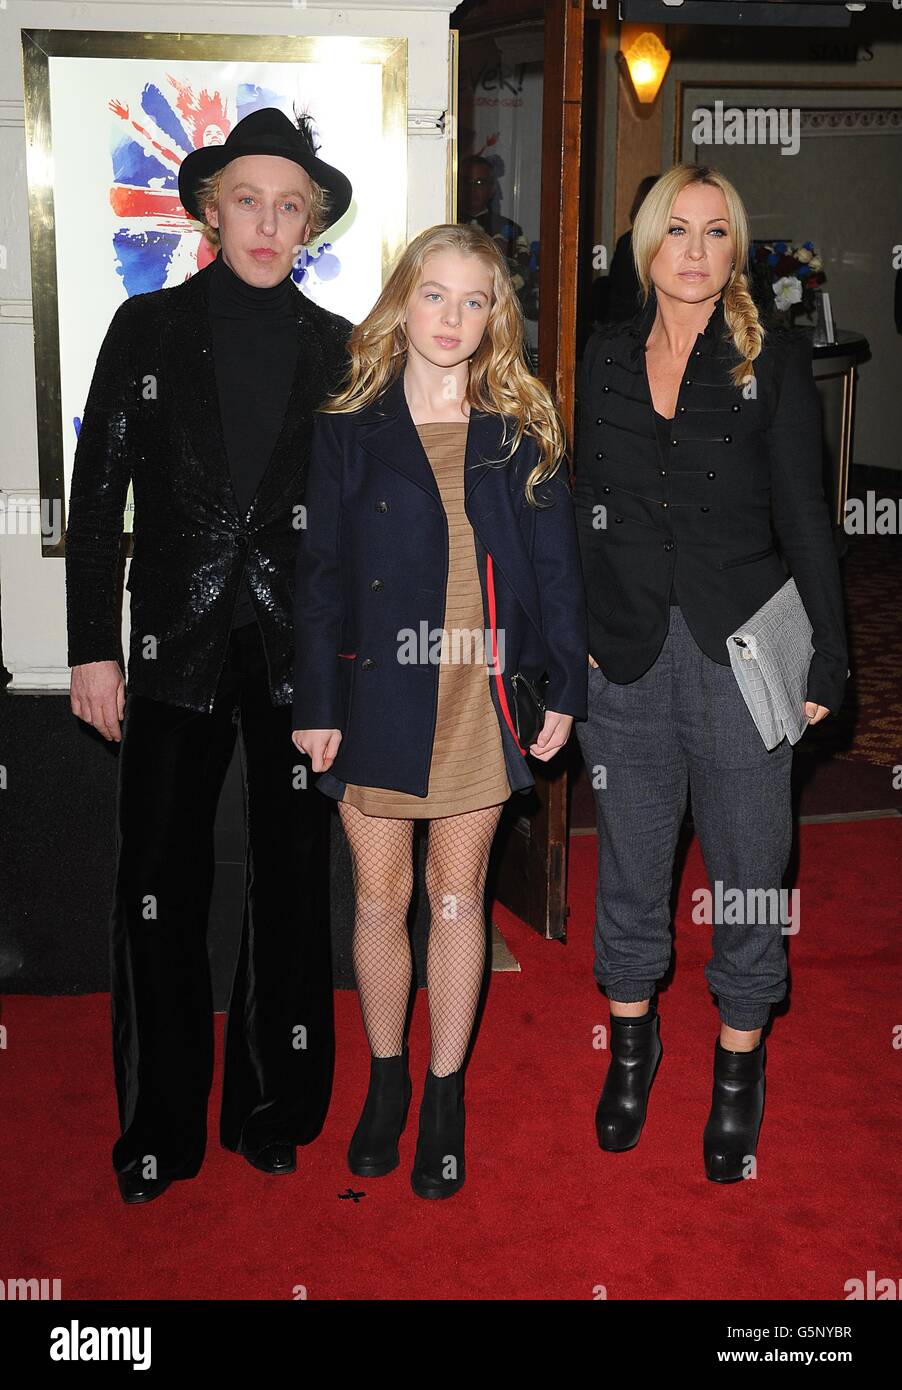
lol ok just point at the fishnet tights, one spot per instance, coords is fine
(457, 859)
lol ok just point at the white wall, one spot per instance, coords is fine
(32, 588)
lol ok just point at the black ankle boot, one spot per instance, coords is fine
(635, 1053)
(737, 1105)
(438, 1168)
(373, 1150)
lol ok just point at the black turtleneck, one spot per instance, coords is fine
(255, 348)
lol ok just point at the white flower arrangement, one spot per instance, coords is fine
(787, 291)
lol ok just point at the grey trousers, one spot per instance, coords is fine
(684, 724)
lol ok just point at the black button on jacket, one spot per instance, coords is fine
(152, 418)
(732, 503)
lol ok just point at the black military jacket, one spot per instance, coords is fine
(734, 502)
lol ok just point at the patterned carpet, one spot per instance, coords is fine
(869, 728)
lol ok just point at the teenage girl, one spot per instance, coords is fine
(438, 558)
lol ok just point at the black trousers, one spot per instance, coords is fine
(280, 1039)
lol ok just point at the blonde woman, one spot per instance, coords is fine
(438, 559)
(698, 485)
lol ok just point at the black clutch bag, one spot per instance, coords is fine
(528, 716)
(529, 707)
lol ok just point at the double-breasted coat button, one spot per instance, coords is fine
(599, 421)
(663, 472)
(668, 545)
(736, 408)
(712, 475)
(599, 456)
(674, 442)
(609, 360)
(605, 388)
(665, 504)
(728, 439)
(368, 663)
(377, 584)
(605, 488)
(688, 381)
(381, 506)
(706, 509)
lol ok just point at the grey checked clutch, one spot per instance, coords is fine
(770, 656)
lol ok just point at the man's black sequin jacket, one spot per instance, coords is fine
(152, 418)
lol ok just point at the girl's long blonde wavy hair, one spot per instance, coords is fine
(500, 382)
(650, 228)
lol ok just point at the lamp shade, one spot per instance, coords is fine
(647, 61)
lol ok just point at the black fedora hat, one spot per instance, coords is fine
(267, 131)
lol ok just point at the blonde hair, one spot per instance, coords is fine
(650, 229)
(499, 382)
(208, 193)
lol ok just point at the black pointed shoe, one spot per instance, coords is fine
(737, 1105)
(274, 1158)
(373, 1150)
(635, 1053)
(438, 1167)
(134, 1187)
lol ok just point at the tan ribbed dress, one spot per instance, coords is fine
(467, 771)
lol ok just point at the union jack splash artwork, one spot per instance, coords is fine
(156, 243)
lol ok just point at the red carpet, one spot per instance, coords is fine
(544, 1214)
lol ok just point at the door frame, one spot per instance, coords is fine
(529, 874)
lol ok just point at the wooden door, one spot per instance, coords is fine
(529, 873)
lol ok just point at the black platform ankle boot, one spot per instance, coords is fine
(373, 1150)
(737, 1105)
(438, 1168)
(635, 1053)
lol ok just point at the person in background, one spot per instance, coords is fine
(616, 296)
(478, 202)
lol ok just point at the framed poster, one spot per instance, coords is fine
(109, 118)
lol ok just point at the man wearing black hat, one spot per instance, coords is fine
(203, 397)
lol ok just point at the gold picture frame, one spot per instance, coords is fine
(41, 46)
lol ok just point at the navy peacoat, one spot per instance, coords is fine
(372, 564)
